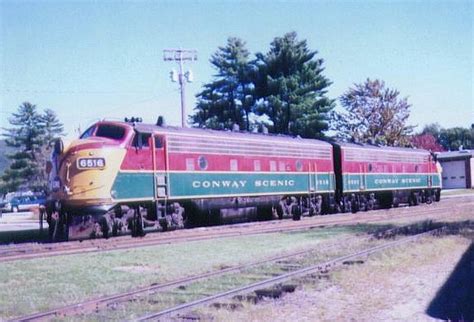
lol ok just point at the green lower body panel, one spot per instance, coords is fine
(372, 181)
(225, 184)
(133, 185)
(130, 185)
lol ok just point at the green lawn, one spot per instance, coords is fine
(36, 285)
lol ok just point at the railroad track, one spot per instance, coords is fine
(271, 282)
(95, 304)
(32, 251)
(98, 304)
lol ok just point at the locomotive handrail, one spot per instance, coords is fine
(68, 166)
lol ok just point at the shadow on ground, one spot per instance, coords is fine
(387, 231)
(455, 300)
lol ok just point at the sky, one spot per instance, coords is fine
(91, 60)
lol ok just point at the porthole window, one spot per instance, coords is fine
(202, 162)
(299, 165)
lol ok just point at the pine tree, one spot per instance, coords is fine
(293, 89)
(53, 128)
(31, 134)
(25, 135)
(228, 99)
(373, 113)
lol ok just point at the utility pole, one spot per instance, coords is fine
(180, 56)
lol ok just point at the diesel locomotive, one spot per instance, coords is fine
(128, 176)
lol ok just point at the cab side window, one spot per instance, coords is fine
(158, 142)
(141, 140)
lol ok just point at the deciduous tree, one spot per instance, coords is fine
(456, 138)
(373, 112)
(426, 141)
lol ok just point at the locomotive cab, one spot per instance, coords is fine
(82, 173)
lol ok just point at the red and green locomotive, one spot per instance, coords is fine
(126, 176)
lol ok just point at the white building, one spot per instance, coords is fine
(458, 169)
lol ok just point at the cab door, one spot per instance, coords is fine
(313, 177)
(430, 173)
(362, 177)
(160, 166)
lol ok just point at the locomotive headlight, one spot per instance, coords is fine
(90, 163)
(113, 194)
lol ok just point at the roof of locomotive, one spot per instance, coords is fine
(150, 128)
(366, 146)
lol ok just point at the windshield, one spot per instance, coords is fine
(88, 132)
(110, 131)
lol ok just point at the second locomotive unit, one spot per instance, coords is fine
(126, 176)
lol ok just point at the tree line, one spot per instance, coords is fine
(282, 91)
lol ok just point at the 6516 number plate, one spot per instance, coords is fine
(90, 163)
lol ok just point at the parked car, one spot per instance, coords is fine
(24, 203)
(3, 202)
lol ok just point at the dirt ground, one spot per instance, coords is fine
(420, 282)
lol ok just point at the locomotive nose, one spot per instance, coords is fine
(87, 171)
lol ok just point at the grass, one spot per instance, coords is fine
(156, 302)
(396, 284)
(36, 285)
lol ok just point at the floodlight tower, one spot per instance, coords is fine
(180, 56)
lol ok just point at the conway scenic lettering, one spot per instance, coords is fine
(240, 184)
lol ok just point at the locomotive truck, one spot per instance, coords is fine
(126, 176)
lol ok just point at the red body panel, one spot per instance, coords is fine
(402, 162)
(140, 159)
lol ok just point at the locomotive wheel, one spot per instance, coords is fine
(140, 230)
(370, 205)
(164, 224)
(137, 224)
(354, 205)
(104, 227)
(395, 202)
(362, 203)
(429, 199)
(347, 206)
(296, 212)
(414, 199)
(60, 227)
(279, 210)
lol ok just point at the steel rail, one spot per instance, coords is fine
(281, 278)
